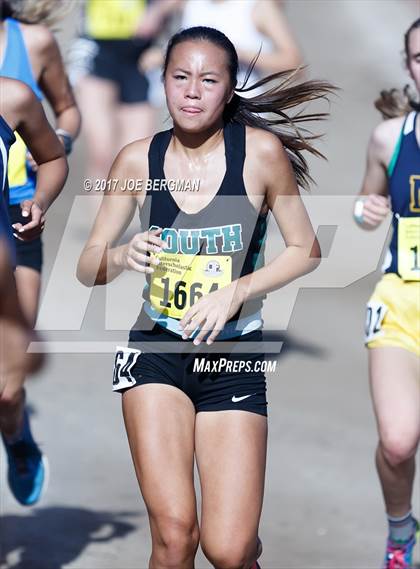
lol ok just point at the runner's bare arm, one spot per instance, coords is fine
(302, 254)
(46, 149)
(156, 15)
(24, 113)
(102, 260)
(54, 83)
(375, 178)
(372, 209)
(271, 21)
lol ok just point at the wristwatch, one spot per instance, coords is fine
(66, 138)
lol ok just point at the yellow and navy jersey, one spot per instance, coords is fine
(7, 138)
(112, 19)
(403, 257)
(206, 250)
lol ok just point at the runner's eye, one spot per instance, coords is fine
(180, 76)
(210, 80)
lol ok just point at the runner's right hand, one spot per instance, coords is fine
(134, 254)
(375, 210)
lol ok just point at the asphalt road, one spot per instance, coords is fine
(323, 506)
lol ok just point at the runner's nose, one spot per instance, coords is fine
(193, 90)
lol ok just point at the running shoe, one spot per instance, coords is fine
(400, 555)
(27, 467)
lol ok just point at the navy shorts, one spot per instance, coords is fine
(114, 60)
(213, 381)
(28, 253)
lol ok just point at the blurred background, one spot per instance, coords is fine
(323, 506)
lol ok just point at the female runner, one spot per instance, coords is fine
(111, 89)
(393, 312)
(21, 111)
(29, 53)
(201, 258)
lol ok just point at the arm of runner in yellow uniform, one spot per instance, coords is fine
(270, 20)
(155, 17)
(101, 261)
(28, 118)
(373, 206)
(302, 253)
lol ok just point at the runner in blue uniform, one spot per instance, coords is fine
(392, 184)
(30, 53)
(21, 111)
(202, 252)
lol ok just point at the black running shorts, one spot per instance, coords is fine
(213, 381)
(28, 253)
(113, 60)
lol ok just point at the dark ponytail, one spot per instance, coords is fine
(398, 102)
(6, 10)
(266, 110)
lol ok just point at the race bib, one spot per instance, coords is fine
(409, 248)
(125, 360)
(180, 280)
(375, 313)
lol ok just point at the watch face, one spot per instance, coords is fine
(68, 143)
(66, 139)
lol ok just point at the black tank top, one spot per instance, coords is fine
(208, 249)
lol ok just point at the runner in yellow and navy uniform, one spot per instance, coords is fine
(393, 312)
(111, 87)
(202, 252)
(110, 48)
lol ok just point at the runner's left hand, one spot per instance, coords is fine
(210, 313)
(35, 225)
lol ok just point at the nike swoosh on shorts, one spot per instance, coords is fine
(237, 399)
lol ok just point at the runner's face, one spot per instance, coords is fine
(197, 85)
(413, 59)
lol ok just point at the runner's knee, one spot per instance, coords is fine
(229, 553)
(11, 397)
(397, 448)
(176, 539)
